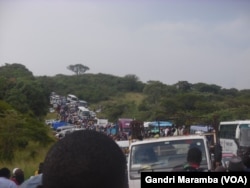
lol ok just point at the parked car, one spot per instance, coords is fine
(64, 133)
(72, 98)
(59, 129)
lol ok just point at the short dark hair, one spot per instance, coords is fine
(194, 155)
(85, 158)
(5, 172)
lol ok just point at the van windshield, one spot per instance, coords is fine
(163, 155)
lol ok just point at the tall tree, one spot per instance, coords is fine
(15, 70)
(78, 68)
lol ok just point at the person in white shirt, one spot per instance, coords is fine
(166, 131)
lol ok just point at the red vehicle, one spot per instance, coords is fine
(124, 125)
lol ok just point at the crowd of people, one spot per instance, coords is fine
(10, 179)
(89, 159)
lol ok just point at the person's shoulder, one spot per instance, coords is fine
(32, 182)
(8, 182)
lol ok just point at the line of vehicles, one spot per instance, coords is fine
(71, 113)
(169, 152)
(233, 136)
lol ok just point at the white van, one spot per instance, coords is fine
(65, 132)
(82, 103)
(72, 98)
(61, 128)
(83, 112)
(164, 154)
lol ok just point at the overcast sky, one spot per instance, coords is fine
(204, 41)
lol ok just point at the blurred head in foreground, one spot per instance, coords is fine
(86, 159)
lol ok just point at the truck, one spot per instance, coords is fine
(102, 122)
(164, 154)
(124, 125)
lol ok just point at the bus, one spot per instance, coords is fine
(234, 137)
